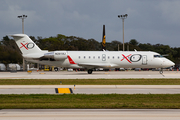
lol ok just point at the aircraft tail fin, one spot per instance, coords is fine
(104, 39)
(25, 44)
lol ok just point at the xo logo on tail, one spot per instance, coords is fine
(27, 45)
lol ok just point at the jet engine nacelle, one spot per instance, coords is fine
(56, 55)
(60, 55)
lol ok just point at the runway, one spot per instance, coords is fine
(84, 75)
(90, 114)
(91, 89)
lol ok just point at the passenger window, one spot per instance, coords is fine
(84, 57)
(89, 57)
(108, 57)
(94, 57)
(98, 57)
(79, 57)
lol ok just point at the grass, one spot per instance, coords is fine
(90, 81)
(82, 101)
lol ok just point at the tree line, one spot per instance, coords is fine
(10, 53)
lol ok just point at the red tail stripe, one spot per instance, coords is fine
(70, 60)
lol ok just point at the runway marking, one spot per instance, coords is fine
(42, 73)
(14, 78)
(63, 90)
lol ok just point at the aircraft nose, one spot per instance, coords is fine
(168, 63)
(171, 63)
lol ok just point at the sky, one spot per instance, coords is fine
(148, 21)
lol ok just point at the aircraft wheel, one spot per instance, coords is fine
(161, 71)
(90, 71)
(56, 69)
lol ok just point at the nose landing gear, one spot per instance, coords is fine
(161, 72)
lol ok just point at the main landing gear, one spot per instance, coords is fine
(90, 71)
(56, 69)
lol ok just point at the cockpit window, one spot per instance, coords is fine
(158, 56)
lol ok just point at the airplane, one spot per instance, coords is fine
(89, 59)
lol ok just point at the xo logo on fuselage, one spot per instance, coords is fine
(133, 58)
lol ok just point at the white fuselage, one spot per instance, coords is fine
(109, 59)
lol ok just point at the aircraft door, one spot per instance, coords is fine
(144, 59)
(103, 57)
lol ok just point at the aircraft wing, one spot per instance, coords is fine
(35, 55)
(96, 65)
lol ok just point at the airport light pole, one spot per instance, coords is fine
(23, 17)
(123, 17)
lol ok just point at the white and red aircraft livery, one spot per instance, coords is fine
(90, 59)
